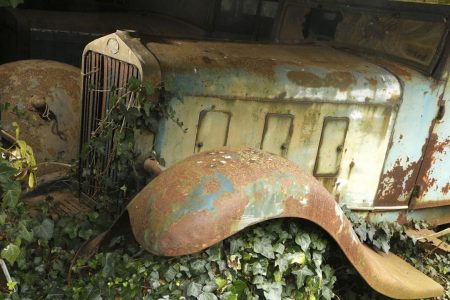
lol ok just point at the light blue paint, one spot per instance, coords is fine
(247, 83)
(411, 130)
(440, 170)
(160, 137)
(198, 199)
(266, 198)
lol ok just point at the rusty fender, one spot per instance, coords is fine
(212, 195)
(48, 93)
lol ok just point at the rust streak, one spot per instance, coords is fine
(340, 80)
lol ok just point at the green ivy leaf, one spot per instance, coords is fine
(44, 231)
(207, 296)
(194, 289)
(10, 253)
(109, 265)
(238, 288)
(220, 282)
(198, 266)
(170, 274)
(2, 218)
(300, 276)
(25, 234)
(6, 170)
(11, 197)
(264, 247)
(303, 240)
(272, 291)
(228, 296)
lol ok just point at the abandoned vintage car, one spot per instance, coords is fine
(358, 104)
(361, 108)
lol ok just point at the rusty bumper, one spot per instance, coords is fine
(210, 196)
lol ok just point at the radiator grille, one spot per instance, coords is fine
(103, 77)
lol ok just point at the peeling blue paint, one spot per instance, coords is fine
(198, 199)
(266, 198)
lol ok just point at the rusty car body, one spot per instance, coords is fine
(361, 108)
(354, 96)
(311, 103)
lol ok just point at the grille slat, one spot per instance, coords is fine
(101, 75)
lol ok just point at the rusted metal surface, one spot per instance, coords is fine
(152, 167)
(273, 73)
(212, 195)
(242, 86)
(433, 182)
(434, 216)
(48, 93)
(413, 127)
(309, 83)
(430, 239)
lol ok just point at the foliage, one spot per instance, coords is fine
(378, 235)
(266, 260)
(384, 236)
(133, 111)
(272, 259)
(21, 158)
(432, 263)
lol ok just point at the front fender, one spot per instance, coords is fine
(212, 195)
(48, 93)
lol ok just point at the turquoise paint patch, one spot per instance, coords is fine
(266, 199)
(198, 199)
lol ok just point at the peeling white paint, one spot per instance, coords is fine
(356, 115)
(340, 215)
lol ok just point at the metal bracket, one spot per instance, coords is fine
(441, 111)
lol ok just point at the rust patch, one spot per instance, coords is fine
(212, 186)
(402, 218)
(446, 188)
(397, 69)
(340, 80)
(49, 93)
(286, 184)
(434, 147)
(262, 66)
(373, 82)
(396, 182)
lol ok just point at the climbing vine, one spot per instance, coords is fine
(135, 110)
